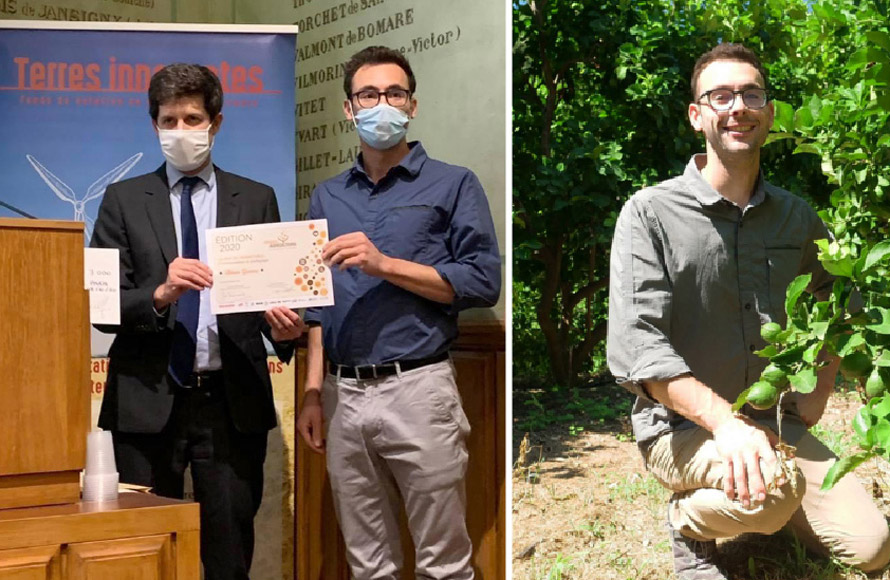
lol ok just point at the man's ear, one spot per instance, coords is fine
(695, 116)
(347, 109)
(412, 112)
(216, 124)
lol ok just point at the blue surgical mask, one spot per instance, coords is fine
(381, 127)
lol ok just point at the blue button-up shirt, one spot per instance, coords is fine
(423, 211)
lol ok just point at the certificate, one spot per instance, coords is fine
(260, 266)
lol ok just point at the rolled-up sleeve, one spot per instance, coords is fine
(640, 302)
(475, 272)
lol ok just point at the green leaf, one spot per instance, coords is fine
(849, 342)
(880, 251)
(795, 289)
(741, 400)
(790, 356)
(880, 38)
(880, 407)
(818, 329)
(882, 433)
(862, 427)
(803, 119)
(883, 360)
(882, 327)
(842, 467)
(812, 352)
(804, 381)
(767, 352)
(808, 148)
(784, 121)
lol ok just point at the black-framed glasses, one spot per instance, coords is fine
(368, 98)
(723, 99)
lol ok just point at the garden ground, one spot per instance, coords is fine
(584, 507)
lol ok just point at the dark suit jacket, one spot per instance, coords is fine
(135, 217)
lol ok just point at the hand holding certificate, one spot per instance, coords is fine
(260, 266)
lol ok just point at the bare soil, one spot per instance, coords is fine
(584, 507)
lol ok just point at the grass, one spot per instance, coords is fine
(571, 410)
(840, 442)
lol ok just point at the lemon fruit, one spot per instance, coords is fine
(763, 395)
(855, 365)
(775, 376)
(770, 331)
(875, 386)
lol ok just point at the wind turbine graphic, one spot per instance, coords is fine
(65, 193)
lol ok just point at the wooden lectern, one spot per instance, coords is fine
(44, 356)
(46, 533)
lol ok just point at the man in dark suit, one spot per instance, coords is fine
(184, 386)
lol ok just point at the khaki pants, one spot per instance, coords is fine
(844, 521)
(401, 437)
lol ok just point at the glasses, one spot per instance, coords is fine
(369, 98)
(724, 99)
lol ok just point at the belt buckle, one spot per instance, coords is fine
(203, 380)
(358, 372)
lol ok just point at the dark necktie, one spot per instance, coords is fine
(182, 354)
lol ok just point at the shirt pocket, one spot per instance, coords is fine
(783, 266)
(405, 231)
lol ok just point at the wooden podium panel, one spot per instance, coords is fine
(145, 558)
(137, 537)
(40, 563)
(481, 379)
(44, 361)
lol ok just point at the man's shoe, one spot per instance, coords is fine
(694, 559)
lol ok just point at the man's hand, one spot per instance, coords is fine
(749, 460)
(183, 274)
(354, 249)
(311, 422)
(285, 324)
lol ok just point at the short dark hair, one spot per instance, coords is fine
(725, 51)
(376, 55)
(179, 80)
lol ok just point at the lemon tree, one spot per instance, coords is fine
(845, 126)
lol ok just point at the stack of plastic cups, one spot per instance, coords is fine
(100, 478)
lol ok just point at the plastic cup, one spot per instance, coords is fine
(101, 487)
(100, 453)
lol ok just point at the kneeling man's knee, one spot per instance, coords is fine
(873, 551)
(778, 507)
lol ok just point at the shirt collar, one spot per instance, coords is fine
(207, 175)
(410, 163)
(707, 195)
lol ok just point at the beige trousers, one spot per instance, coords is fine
(843, 522)
(394, 439)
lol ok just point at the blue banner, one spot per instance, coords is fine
(74, 112)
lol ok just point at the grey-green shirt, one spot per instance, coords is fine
(693, 278)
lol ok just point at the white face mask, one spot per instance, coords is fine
(186, 149)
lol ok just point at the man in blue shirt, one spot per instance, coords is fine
(412, 244)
